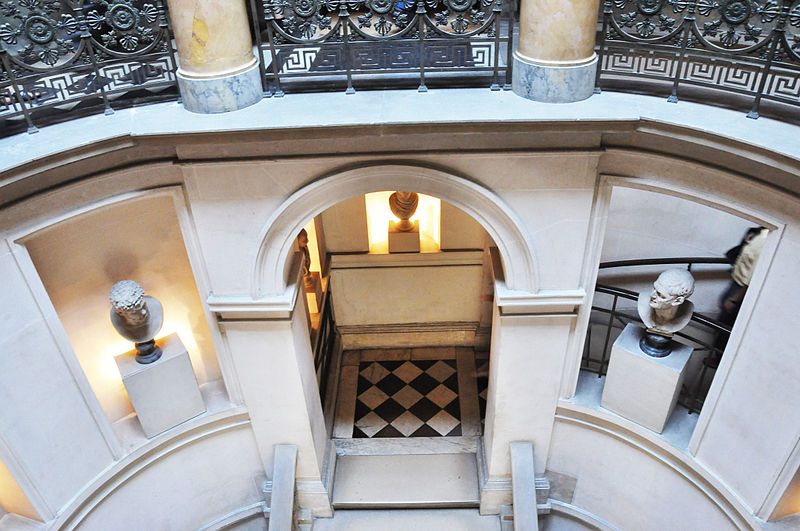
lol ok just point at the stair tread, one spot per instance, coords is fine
(405, 519)
(443, 480)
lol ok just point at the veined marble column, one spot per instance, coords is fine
(555, 61)
(217, 69)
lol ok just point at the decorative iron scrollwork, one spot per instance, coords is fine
(123, 26)
(38, 33)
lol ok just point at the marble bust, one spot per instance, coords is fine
(137, 317)
(666, 310)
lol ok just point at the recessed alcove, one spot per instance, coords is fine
(646, 233)
(79, 258)
(380, 297)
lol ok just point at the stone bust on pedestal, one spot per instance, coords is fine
(137, 317)
(665, 310)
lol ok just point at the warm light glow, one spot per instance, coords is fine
(184, 331)
(379, 214)
(313, 247)
(12, 499)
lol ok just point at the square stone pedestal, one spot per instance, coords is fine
(642, 388)
(163, 393)
(403, 241)
(314, 293)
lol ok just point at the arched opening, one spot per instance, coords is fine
(410, 359)
(271, 265)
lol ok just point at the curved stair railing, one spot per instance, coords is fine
(611, 318)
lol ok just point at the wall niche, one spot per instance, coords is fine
(80, 258)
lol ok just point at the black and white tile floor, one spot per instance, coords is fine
(414, 398)
(429, 392)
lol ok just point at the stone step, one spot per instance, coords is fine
(405, 519)
(406, 481)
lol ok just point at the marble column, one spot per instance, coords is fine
(217, 70)
(555, 61)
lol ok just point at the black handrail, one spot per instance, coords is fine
(664, 261)
(632, 295)
(324, 341)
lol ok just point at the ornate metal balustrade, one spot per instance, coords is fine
(707, 335)
(308, 44)
(749, 48)
(66, 58)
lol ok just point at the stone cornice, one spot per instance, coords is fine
(313, 125)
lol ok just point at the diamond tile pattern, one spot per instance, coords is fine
(416, 398)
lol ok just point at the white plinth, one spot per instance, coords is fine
(163, 393)
(642, 388)
(403, 241)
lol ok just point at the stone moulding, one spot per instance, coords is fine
(656, 448)
(271, 268)
(116, 475)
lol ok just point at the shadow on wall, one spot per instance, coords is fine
(78, 261)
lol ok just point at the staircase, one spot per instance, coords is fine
(420, 483)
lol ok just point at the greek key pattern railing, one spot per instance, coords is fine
(746, 47)
(64, 58)
(329, 43)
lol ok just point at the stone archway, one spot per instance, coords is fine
(271, 266)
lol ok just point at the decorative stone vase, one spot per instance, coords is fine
(403, 205)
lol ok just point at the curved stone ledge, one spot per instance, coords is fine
(145, 456)
(332, 124)
(651, 444)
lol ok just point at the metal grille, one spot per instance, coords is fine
(337, 44)
(742, 47)
(62, 59)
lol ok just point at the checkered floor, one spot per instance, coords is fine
(412, 398)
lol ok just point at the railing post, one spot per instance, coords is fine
(688, 22)
(509, 47)
(606, 16)
(777, 36)
(18, 92)
(166, 31)
(86, 37)
(497, 9)
(269, 17)
(608, 336)
(257, 32)
(421, 22)
(344, 18)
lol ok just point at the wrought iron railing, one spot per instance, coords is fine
(706, 335)
(749, 48)
(66, 58)
(341, 44)
(324, 342)
(61, 59)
